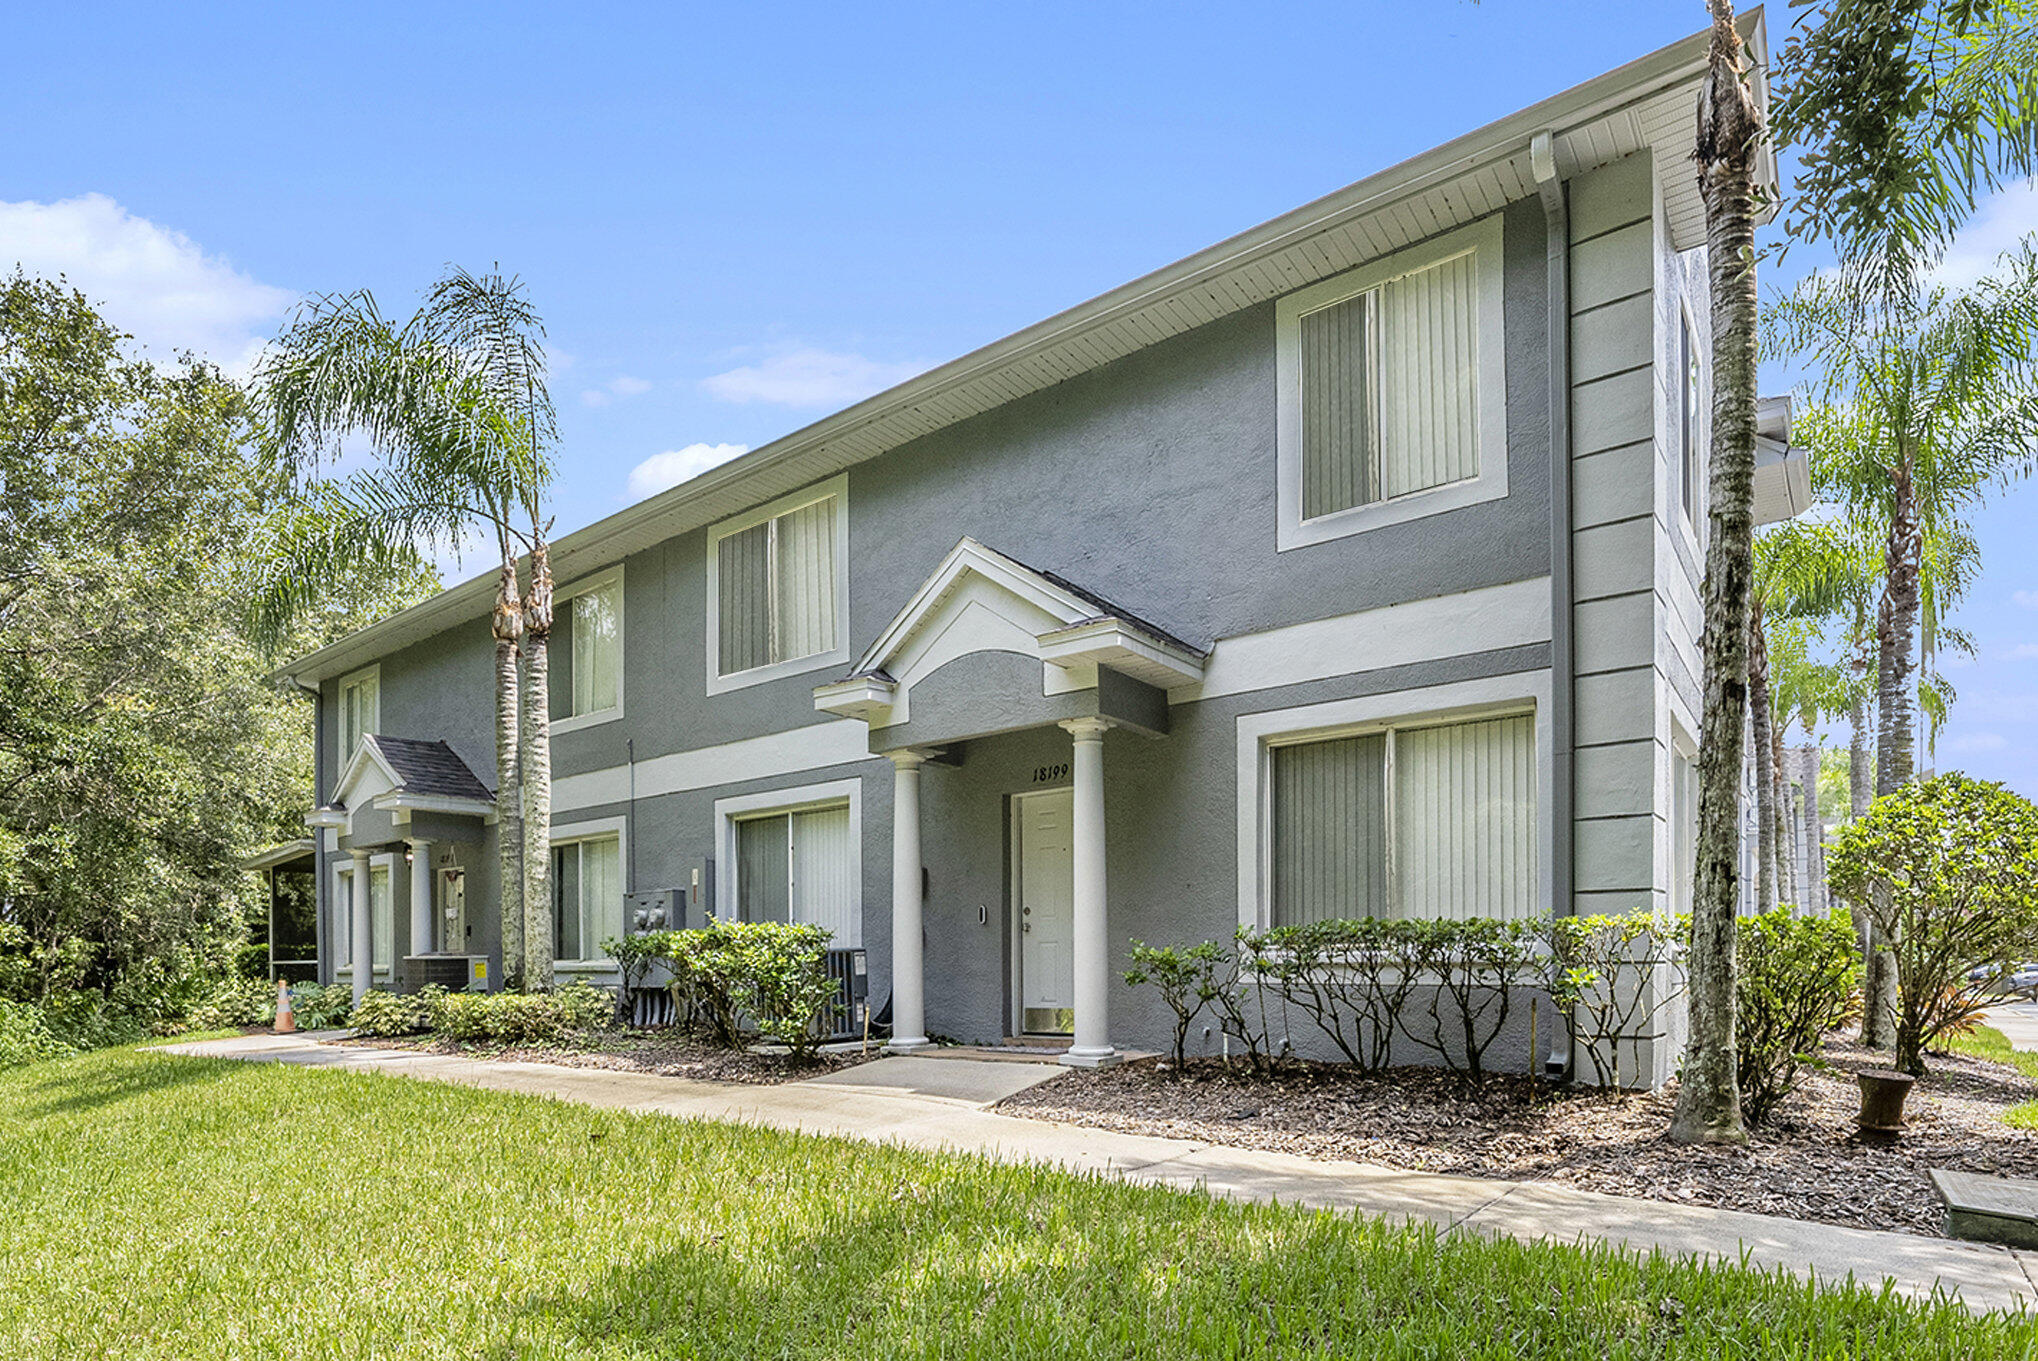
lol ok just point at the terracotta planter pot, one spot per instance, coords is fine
(1882, 1100)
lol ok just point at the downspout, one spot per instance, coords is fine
(1557, 263)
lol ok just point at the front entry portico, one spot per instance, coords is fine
(989, 647)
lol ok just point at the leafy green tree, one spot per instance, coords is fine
(1950, 868)
(454, 403)
(140, 753)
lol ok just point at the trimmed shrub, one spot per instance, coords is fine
(518, 1017)
(1799, 977)
(386, 1013)
(321, 1007)
(1186, 978)
(1595, 973)
(782, 983)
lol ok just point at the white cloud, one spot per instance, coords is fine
(149, 280)
(810, 377)
(2024, 600)
(675, 466)
(2025, 650)
(2000, 224)
(622, 385)
(1976, 741)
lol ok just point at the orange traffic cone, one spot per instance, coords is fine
(286, 1019)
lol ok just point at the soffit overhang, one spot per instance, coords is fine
(1647, 105)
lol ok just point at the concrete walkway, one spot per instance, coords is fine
(940, 1105)
(2018, 1021)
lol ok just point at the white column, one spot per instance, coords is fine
(420, 897)
(1092, 1046)
(909, 1007)
(364, 928)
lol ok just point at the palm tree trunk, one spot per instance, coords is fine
(537, 763)
(507, 625)
(1729, 138)
(1780, 802)
(1896, 634)
(1766, 855)
(1809, 763)
(1896, 628)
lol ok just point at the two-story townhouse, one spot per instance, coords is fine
(1348, 566)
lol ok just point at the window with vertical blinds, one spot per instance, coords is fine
(776, 587)
(799, 867)
(597, 645)
(1424, 822)
(587, 898)
(1690, 411)
(360, 711)
(1390, 395)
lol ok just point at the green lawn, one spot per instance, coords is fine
(153, 1206)
(1989, 1043)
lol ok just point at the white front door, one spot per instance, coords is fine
(452, 912)
(1045, 825)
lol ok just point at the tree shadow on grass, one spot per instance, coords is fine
(72, 1089)
(824, 1294)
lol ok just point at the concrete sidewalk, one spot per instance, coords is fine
(940, 1105)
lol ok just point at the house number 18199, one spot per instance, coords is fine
(1049, 774)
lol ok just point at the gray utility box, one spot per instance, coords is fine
(657, 909)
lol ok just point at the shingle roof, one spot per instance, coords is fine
(430, 768)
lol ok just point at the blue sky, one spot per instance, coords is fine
(739, 218)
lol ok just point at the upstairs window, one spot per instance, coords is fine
(589, 687)
(360, 711)
(777, 589)
(1392, 389)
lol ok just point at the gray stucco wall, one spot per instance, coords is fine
(1151, 482)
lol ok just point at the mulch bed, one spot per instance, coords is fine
(1807, 1163)
(668, 1053)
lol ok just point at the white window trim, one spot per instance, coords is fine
(594, 829)
(1459, 701)
(575, 722)
(343, 899)
(373, 671)
(1687, 326)
(837, 487)
(1483, 238)
(832, 793)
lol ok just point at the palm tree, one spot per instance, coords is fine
(1729, 141)
(1903, 115)
(1939, 393)
(453, 402)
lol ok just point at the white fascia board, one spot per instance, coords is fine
(326, 817)
(1122, 647)
(365, 757)
(864, 697)
(397, 800)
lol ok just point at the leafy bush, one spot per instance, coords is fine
(251, 960)
(1948, 871)
(731, 977)
(321, 1007)
(386, 1013)
(782, 982)
(520, 1018)
(1187, 979)
(24, 1037)
(1799, 977)
(235, 1003)
(1450, 986)
(1597, 971)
